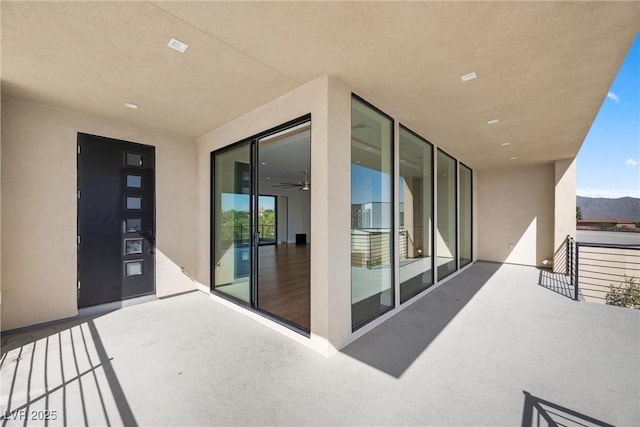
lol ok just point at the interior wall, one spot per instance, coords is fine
(516, 214)
(298, 211)
(39, 202)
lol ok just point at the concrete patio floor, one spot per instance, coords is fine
(490, 347)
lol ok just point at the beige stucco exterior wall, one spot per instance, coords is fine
(564, 209)
(516, 214)
(39, 183)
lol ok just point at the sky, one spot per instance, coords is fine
(608, 162)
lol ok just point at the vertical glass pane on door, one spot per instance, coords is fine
(415, 195)
(446, 235)
(284, 265)
(232, 226)
(465, 215)
(371, 213)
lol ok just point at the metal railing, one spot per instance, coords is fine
(570, 265)
(593, 268)
(372, 247)
(241, 234)
(598, 266)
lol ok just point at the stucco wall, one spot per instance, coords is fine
(564, 210)
(39, 208)
(516, 214)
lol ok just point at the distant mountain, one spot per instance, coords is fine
(622, 208)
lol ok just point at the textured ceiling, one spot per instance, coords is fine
(543, 68)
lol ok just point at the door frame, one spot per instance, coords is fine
(254, 240)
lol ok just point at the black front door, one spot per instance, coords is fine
(116, 220)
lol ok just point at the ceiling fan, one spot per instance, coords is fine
(301, 185)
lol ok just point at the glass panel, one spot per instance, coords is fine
(132, 246)
(415, 194)
(134, 203)
(134, 181)
(232, 232)
(465, 215)
(133, 268)
(133, 225)
(446, 238)
(284, 274)
(266, 219)
(371, 213)
(133, 159)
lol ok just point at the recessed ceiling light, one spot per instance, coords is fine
(492, 121)
(177, 45)
(468, 76)
(358, 161)
(513, 158)
(263, 163)
(504, 144)
(268, 177)
(131, 105)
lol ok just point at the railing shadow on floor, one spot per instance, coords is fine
(538, 412)
(557, 282)
(61, 374)
(394, 345)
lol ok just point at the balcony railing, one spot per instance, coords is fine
(593, 268)
(371, 248)
(241, 234)
(599, 266)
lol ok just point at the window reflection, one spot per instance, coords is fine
(446, 236)
(232, 222)
(371, 213)
(415, 194)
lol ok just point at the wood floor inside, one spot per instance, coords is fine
(284, 282)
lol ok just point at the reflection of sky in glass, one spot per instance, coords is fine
(240, 202)
(368, 185)
(236, 202)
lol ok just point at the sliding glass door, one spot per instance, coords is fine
(257, 259)
(283, 279)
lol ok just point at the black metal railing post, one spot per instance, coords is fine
(577, 270)
(568, 260)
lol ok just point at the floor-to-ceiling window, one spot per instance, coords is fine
(371, 213)
(446, 235)
(465, 215)
(415, 195)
